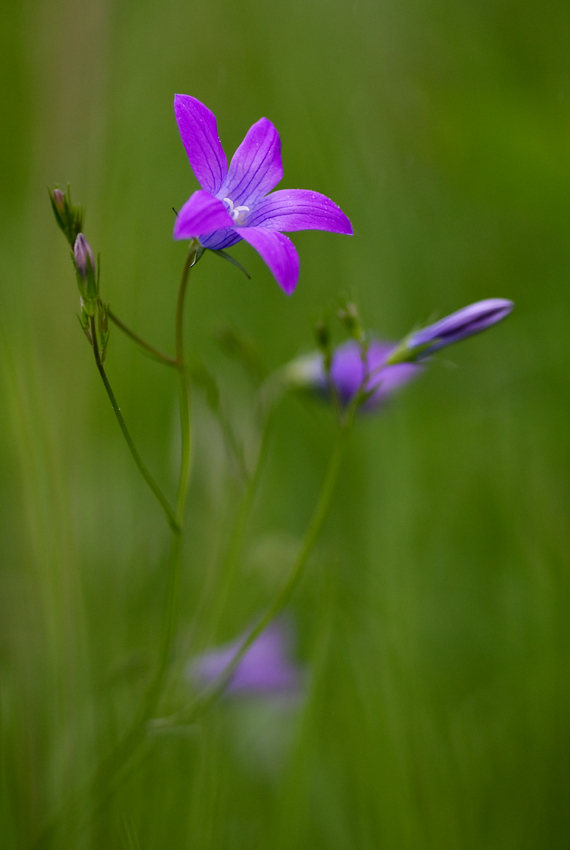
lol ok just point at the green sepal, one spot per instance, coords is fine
(404, 354)
(103, 327)
(227, 257)
(84, 323)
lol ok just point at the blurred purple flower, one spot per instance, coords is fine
(349, 373)
(233, 204)
(266, 667)
(460, 325)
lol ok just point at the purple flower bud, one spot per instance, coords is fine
(81, 252)
(265, 668)
(349, 373)
(466, 322)
(69, 217)
(58, 199)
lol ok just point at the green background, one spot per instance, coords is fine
(433, 621)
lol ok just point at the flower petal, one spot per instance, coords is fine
(198, 130)
(220, 239)
(299, 209)
(201, 214)
(278, 252)
(349, 373)
(256, 167)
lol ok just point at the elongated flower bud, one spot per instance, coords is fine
(58, 199)
(86, 276)
(460, 325)
(83, 256)
(68, 216)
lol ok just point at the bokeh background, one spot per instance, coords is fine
(433, 621)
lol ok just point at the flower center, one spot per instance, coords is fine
(237, 213)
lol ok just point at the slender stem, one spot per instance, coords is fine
(170, 613)
(225, 577)
(210, 694)
(150, 349)
(185, 432)
(283, 597)
(171, 516)
(112, 768)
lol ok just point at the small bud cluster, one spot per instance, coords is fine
(93, 313)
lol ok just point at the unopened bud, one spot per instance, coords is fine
(69, 217)
(86, 274)
(348, 315)
(322, 335)
(83, 256)
(460, 325)
(58, 199)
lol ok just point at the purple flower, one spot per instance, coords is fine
(233, 203)
(460, 325)
(265, 668)
(349, 373)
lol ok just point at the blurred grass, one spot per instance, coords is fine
(434, 619)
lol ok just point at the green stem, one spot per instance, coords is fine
(170, 614)
(150, 349)
(186, 448)
(171, 516)
(112, 768)
(215, 607)
(210, 694)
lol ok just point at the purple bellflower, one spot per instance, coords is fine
(233, 203)
(349, 373)
(265, 669)
(460, 325)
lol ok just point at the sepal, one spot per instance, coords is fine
(103, 327)
(225, 256)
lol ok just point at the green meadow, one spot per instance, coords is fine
(431, 624)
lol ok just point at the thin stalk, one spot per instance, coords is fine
(150, 349)
(110, 771)
(284, 595)
(184, 396)
(170, 613)
(209, 696)
(170, 515)
(230, 560)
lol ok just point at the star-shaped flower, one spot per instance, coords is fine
(233, 203)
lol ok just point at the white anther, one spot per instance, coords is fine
(237, 213)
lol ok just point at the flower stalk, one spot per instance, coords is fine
(141, 466)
